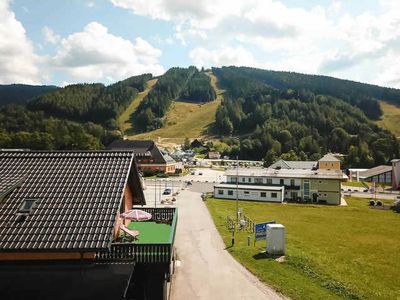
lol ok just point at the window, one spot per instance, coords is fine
(292, 182)
(258, 180)
(246, 192)
(306, 188)
(269, 181)
(281, 182)
(263, 194)
(27, 206)
(230, 193)
(220, 192)
(274, 195)
(320, 181)
(233, 179)
(243, 179)
(249, 179)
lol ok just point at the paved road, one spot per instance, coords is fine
(206, 270)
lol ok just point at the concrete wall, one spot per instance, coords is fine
(396, 174)
(327, 189)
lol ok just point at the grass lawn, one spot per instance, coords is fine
(123, 121)
(185, 120)
(332, 252)
(391, 118)
(353, 183)
(151, 232)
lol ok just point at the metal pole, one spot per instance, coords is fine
(160, 191)
(237, 191)
(155, 193)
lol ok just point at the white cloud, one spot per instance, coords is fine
(90, 4)
(333, 39)
(224, 56)
(50, 36)
(94, 54)
(17, 59)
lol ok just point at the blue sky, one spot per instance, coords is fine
(62, 42)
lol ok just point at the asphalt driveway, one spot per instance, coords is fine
(206, 270)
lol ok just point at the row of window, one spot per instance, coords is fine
(260, 181)
(269, 181)
(262, 194)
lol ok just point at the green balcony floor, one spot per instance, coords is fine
(151, 232)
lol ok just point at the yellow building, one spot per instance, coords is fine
(329, 162)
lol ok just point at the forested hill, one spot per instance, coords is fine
(22, 93)
(362, 95)
(295, 124)
(91, 102)
(176, 84)
(80, 116)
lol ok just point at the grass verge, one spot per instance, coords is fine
(354, 184)
(332, 252)
(391, 118)
(123, 121)
(185, 120)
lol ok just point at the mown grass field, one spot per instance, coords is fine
(123, 121)
(332, 252)
(391, 118)
(353, 183)
(185, 120)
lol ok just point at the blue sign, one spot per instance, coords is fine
(260, 230)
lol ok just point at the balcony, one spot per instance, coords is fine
(155, 243)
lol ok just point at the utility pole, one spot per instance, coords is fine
(155, 193)
(237, 191)
(160, 190)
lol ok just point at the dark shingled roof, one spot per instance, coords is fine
(140, 147)
(78, 196)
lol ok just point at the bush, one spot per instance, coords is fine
(379, 203)
(162, 175)
(396, 206)
(148, 173)
(371, 203)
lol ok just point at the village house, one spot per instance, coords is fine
(214, 155)
(60, 228)
(147, 154)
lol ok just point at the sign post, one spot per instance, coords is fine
(260, 231)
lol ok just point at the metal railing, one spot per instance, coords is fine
(144, 253)
(138, 253)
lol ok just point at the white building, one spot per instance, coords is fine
(250, 192)
(313, 182)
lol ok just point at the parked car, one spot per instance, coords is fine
(167, 192)
(192, 173)
(200, 173)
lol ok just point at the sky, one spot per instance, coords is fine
(70, 41)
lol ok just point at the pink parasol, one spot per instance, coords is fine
(136, 215)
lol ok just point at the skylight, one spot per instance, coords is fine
(27, 206)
